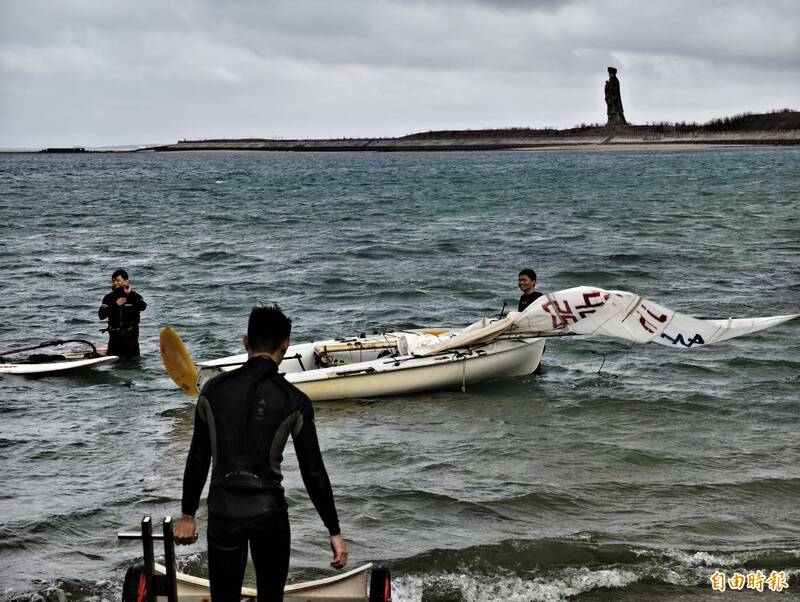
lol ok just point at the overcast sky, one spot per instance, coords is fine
(105, 72)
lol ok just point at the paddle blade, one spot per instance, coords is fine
(178, 362)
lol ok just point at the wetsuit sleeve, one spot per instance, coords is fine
(198, 461)
(104, 310)
(137, 301)
(312, 468)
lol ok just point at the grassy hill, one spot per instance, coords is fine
(779, 120)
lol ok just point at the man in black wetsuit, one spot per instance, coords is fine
(527, 282)
(122, 307)
(243, 420)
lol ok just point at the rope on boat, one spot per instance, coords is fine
(464, 357)
(600, 372)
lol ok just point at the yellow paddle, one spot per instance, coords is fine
(178, 362)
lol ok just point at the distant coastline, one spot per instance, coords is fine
(778, 128)
(501, 142)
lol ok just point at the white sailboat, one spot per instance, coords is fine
(411, 361)
(392, 363)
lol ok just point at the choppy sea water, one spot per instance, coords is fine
(619, 473)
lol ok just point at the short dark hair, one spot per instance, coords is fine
(267, 329)
(119, 272)
(529, 273)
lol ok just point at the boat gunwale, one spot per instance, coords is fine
(289, 589)
(399, 362)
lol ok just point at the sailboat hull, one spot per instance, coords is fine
(360, 371)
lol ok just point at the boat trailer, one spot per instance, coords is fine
(153, 582)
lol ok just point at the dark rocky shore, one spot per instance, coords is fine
(777, 128)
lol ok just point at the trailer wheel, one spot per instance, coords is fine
(134, 588)
(380, 584)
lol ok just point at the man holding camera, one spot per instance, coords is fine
(122, 307)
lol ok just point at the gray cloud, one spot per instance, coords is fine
(102, 72)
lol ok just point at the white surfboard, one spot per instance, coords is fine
(47, 367)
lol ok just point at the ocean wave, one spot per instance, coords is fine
(787, 558)
(557, 570)
(524, 557)
(383, 502)
(757, 364)
(386, 251)
(772, 489)
(60, 590)
(464, 587)
(208, 256)
(530, 504)
(644, 458)
(27, 532)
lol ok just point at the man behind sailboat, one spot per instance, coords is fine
(527, 283)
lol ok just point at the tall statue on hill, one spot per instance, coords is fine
(616, 116)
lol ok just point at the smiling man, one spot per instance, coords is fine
(527, 283)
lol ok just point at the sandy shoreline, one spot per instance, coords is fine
(601, 140)
(662, 147)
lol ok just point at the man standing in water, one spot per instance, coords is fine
(527, 282)
(122, 307)
(243, 421)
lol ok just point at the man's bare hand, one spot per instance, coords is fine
(122, 300)
(339, 548)
(186, 531)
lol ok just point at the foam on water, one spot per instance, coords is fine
(460, 586)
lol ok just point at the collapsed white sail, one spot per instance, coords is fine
(589, 310)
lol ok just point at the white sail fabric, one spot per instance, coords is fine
(588, 310)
